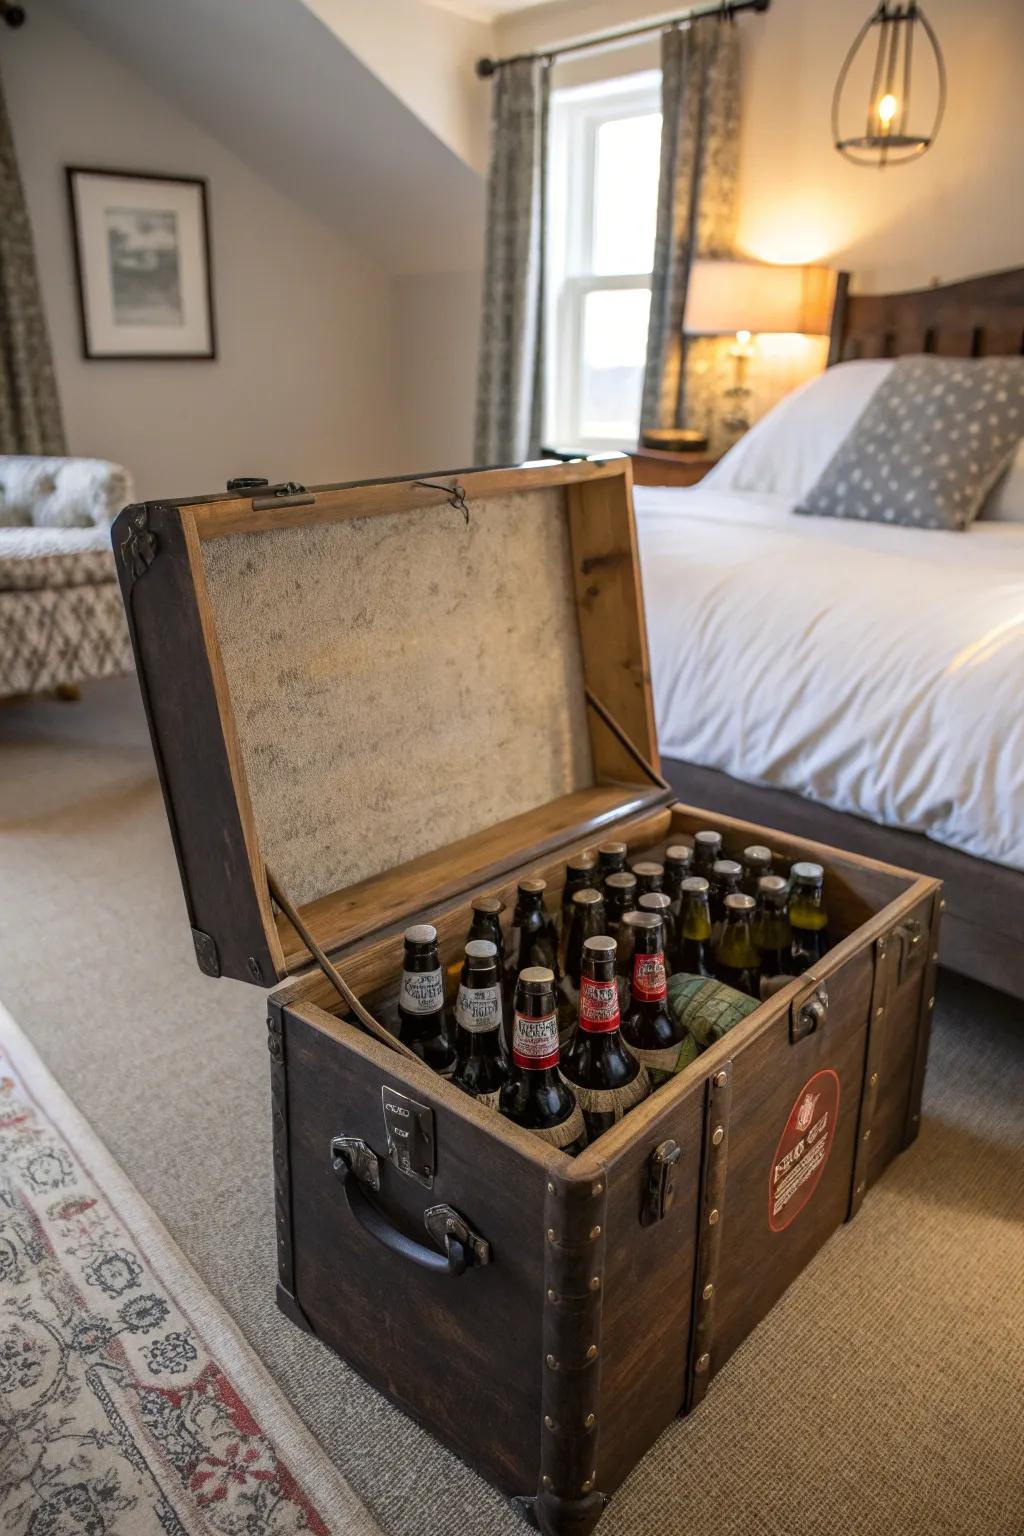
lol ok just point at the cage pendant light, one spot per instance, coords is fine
(889, 136)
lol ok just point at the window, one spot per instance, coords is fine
(603, 200)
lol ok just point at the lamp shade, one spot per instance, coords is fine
(727, 296)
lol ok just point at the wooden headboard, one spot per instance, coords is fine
(980, 317)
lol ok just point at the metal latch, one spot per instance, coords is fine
(409, 1127)
(361, 1159)
(661, 1182)
(446, 1226)
(809, 1012)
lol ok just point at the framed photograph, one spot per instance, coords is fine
(142, 260)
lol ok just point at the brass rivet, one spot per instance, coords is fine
(703, 1361)
(598, 1189)
(942, 906)
(551, 1234)
(551, 1188)
(931, 1002)
(545, 1481)
(552, 1295)
(590, 1421)
(721, 1078)
(549, 1422)
(879, 1012)
(586, 1487)
(873, 1079)
(867, 1134)
(592, 1352)
(915, 1118)
(595, 1282)
(708, 1291)
(861, 1187)
(713, 1217)
(551, 1363)
(595, 1232)
(717, 1135)
(935, 954)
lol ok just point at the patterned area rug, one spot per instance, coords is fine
(129, 1403)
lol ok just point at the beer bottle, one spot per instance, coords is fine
(650, 876)
(587, 919)
(534, 1094)
(693, 929)
(619, 898)
(479, 1047)
(611, 859)
(580, 874)
(772, 933)
(485, 924)
(678, 863)
(725, 881)
(606, 1078)
(647, 1026)
(707, 847)
(807, 915)
(737, 961)
(421, 1001)
(532, 939)
(757, 862)
(659, 902)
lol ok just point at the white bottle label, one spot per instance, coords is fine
(422, 991)
(478, 1009)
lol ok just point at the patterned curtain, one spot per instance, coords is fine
(30, 420)
(700, 100)
(510, 376)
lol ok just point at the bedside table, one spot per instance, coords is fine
(653, 466)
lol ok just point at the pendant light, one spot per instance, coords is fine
(890, 136)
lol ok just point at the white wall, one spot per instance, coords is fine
(437, 319)
(304, 384)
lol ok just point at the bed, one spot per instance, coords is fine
(862, 684)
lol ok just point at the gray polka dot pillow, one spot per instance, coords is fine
(929, 446)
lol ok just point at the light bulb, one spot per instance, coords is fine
(887, 109)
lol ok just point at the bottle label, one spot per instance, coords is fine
(478, 1009)
(421, 991)
(599, 1005)
(535, 1041)
(615, 1102)
(649, 983)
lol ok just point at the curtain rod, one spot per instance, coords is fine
(487, 67)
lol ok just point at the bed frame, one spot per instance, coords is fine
(982, 930)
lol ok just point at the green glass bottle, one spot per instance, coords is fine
(757, 862)
(772, 933)
(737, 961)
(693, 929)
(808, 917)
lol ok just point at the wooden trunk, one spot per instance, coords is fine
(546, 1317)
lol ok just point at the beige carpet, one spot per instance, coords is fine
(884, 1395)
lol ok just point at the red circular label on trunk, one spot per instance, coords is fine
(803, 1149)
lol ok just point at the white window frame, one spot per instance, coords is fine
(577, 113)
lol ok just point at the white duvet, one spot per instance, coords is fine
(877, 669)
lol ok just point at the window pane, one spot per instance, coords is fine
(626, 193)
(612, 372)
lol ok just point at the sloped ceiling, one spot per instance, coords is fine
(280, 89)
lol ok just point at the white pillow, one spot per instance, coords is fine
(1006, 503)
(785, 452)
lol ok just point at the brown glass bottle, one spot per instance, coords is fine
(737, 961)
(587, 920)
(534, 1094)
(772, 933)
(620, 897)
(485, 924)
(647, 1026)
(661, 904)
(580, 874)
(725, 881)
(605, 1076)
(650, 875)
(757, 862)
(707, 848)
(532, 938)
(421, 1011)
(678, 864)
(480, 1068)
(611, 859)
(693, 955)
(808, 918)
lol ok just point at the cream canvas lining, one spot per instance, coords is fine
(402, 681)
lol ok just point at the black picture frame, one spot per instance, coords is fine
(90, 352)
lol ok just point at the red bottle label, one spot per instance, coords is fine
(599, 1006)
(649, 983)
(535, 1041)
(803, 1149)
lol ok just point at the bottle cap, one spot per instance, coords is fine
(679, 853)
(694, 885)
(481, 949)
(647, 867)
(772, 885)
(708, 839)
(757, 853)
(738, 902)
(601, 945)
(655, 901)
(538, 977)
(587, 897)
(487, 904)
(581, 863)
(726, 868)
(421, 933)
(533, 887)
(623, 881)
(611, 850)
(813, 874)
(643, 919)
